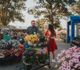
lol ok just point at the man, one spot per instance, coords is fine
(32, 29)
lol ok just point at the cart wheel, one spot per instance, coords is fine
(20, 67)
(49, 66)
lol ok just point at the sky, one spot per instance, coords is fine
(28, 17)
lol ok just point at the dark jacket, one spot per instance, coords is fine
(32, 30)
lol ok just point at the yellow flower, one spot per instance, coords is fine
(31, 38)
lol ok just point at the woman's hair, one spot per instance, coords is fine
(51, 28)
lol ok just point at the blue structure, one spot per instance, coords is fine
(74, 20)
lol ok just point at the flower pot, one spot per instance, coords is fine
(27, 66)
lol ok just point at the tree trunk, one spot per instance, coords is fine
(51, 15)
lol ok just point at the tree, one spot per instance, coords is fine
(10, 10)
(40, 24)
(51, 9)
(76, 7)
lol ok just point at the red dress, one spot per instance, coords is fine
(52, 43)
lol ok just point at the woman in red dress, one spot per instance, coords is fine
(50, 35)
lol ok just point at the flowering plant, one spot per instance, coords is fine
(69, 59)
(35, 55)
(31, 38)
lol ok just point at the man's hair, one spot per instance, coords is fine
(33, 21)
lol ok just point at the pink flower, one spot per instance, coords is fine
(71, 63)
(72, 69)
(76, 66)
(62, 59)
(75, 60)
(69, 58)
(65, 63)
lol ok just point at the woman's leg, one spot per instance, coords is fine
(54, 54)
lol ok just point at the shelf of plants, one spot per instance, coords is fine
(9, 51)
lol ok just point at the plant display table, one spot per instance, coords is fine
(36, 58)
(9, 53)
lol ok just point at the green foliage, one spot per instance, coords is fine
(11, 10)
(77, 5)
(51, 9)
